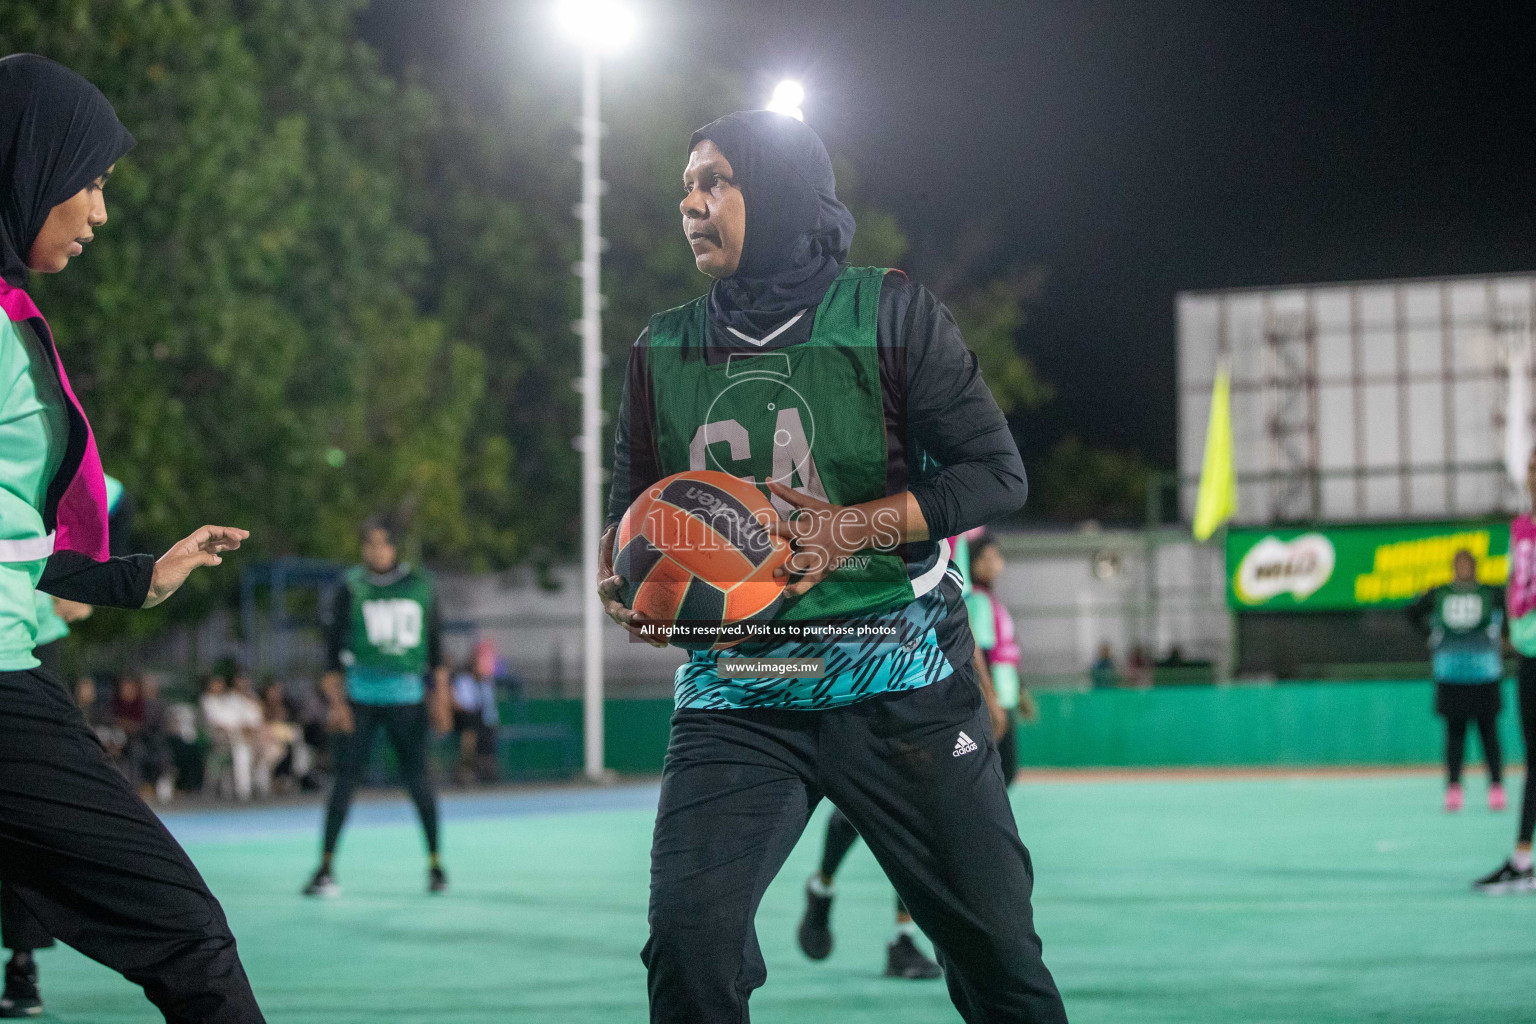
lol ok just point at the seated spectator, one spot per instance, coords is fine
(159, 763)
(1103, 672)
(265, 754)
(184, 746)
(1138, 668)
(127, 711)
(282, 754)
(312, 712)
(140, 713)
(476, 717)
(233, 720)
(98, 717)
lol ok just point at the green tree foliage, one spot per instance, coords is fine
(1077, 482)
(326, 290)
(251, 344)
(991, 318)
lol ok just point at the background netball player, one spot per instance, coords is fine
(384, 642)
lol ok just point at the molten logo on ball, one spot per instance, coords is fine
(697, 547)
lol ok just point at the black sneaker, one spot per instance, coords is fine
(815, 933)
(322, 885)
(21, 997)
(1507, 878)
(904, 960)
(437, 880)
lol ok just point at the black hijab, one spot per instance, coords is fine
(58, 134)
(797, 234)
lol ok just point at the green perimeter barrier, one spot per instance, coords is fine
(1325, 723)
(634, 734)
(636, 741)
(1293, 723)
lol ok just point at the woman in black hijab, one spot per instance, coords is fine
(849, 395)
(797, 231)
(82, 858)
(59, 138)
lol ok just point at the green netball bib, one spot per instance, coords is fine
(811, 416)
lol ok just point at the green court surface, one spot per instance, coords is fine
(1226, 901)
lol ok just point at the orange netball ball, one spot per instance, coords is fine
(696, 548)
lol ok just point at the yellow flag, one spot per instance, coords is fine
(1217, 500)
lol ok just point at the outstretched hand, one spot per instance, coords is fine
(204, 547)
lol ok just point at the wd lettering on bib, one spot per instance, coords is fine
(393, 624)
(387, 651)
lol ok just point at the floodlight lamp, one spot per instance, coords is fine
(603, 26)
(788, 98)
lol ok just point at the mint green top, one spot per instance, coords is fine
(50, 624)
(983, 627)
(34, 430)
(1522, 634)
(1005, 677)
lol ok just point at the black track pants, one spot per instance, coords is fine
(736, 793)
(92, 865)
(841, 835)
(20, 930)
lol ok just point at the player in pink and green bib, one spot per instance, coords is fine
(79, 850)
(993, 627)
(1520, 602)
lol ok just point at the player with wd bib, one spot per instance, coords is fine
(384, 644)
(1465, 623)
(848, 396)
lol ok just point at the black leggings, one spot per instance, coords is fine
(1528, 734)
(1456, 746)
(841, 835)
(84, 859)
(406, 725)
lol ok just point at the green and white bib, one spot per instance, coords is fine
(810, 416)
(387, 650)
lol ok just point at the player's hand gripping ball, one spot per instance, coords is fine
(697, 549)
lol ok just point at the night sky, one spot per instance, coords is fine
(1132, 149)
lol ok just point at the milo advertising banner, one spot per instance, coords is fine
(1345, 568)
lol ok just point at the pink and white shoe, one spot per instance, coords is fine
(1496, 801)
(1454, 798)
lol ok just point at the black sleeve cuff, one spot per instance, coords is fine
(971, 494)
(115, 583)
(336, 635)
(931, 506)
(435, 637)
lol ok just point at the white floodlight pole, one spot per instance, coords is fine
(596, 26)
(591, 413)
